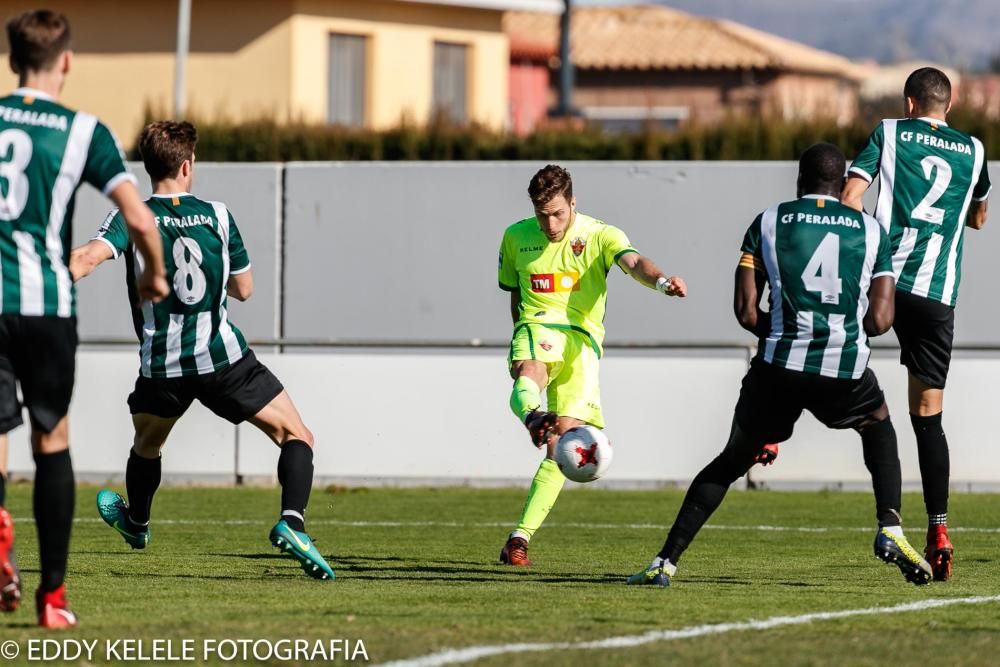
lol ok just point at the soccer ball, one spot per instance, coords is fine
(584, 453)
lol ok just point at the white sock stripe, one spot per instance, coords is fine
(293, 513)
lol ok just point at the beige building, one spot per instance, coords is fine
(640, 64)
(365, 63)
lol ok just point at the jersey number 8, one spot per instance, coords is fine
(189, 280)
(18, 143)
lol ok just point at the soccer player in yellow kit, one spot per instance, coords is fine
(555, 266)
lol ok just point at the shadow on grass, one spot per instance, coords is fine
(722, 579)
(797, 584)
(189, 575)
(109, 554)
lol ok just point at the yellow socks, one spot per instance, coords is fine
(525, 397)
(545, 488)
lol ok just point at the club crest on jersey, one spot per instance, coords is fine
(578, 246)
(545, 345)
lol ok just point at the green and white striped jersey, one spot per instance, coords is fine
(46, 151)
(820, 258)
(189, 332)
(929, 173)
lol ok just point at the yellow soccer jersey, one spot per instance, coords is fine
(564, 284)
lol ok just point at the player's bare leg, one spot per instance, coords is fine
(563, 424)
(281, 422)
(926, 407)
(54, 499)
(142, 479)
(10, 579)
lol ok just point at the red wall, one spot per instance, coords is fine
(529, 95)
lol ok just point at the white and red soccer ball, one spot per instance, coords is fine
(583, 453)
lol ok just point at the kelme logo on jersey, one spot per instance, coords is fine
(555, 282)
(578, 246)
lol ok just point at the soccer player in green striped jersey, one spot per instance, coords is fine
(46, 152)
(933, 183)
(555, 265)
(829, 273)
(190, 350)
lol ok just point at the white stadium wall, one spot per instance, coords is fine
(379, 278)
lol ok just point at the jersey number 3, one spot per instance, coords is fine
(822, 273)
(17, 144)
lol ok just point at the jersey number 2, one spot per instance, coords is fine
(189, 280)
(926, 210)
(822, 273)
(18, 144)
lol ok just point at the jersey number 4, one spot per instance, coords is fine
(18, 144)
(822, 273)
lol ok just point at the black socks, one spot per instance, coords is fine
(295, 473)
(935, 464)
(142, 479)
(54, 498)
(882, 461)
(707, 492)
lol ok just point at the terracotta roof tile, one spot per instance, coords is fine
(654, 37)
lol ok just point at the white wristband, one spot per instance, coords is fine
(662, 284)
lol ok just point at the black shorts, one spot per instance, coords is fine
(235, 393)
(40, 354)
(925, 329)
(772, 400)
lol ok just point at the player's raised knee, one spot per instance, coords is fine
(303, 434)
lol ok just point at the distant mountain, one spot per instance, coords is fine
(960, 33)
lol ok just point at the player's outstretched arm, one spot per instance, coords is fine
(976, 217)
(881, 305)
(86, 258)
(854, 190)
(240, 285)
(647, 273)
(142, 230)
(747, 292)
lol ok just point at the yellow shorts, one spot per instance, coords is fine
(572, 361)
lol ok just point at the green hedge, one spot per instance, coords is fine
(265, 140)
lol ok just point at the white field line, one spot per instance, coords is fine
(507, 524)
(471, 653)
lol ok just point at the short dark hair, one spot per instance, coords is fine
(821, 169)
(164, 145)
(548, 183)
(36, 39)
(929, 87)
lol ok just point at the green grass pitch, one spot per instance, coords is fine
(417, 573)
